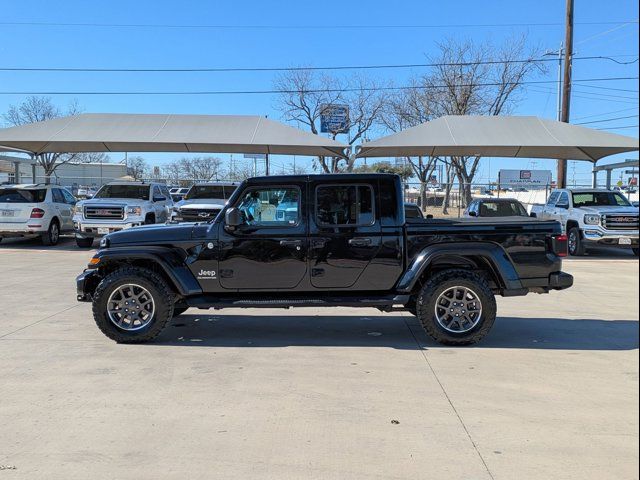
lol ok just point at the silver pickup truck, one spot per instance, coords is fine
(120, 205)
(592, 217)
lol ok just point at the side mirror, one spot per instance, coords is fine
(159, 199)
(233, 218)
(429, 216)
(473, 214)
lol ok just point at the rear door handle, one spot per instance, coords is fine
(360, 242)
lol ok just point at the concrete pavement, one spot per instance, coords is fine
(318, 393)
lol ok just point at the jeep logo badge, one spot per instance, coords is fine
(206, 274)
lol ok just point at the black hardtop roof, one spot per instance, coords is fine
(329, 177)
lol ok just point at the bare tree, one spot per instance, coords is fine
(201, 168)
(38, 109)
(304, 95)
(137, 167)
(408, 108)
(477, 79)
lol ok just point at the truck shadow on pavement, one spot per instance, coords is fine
(391, 331)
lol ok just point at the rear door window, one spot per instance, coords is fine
(344, 205)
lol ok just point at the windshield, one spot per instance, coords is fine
(19, 195)
(600, 199)
(140, 192)
(215, 192)
(502, 209)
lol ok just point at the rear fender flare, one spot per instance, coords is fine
(494, 254)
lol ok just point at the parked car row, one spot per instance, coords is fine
(49, 210)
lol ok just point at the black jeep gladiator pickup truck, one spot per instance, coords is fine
(322, 240)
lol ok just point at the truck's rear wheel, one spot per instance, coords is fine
(132, 305)
(576, 245)
(456, 307)
(52, 235)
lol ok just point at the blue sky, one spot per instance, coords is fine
(327, 43)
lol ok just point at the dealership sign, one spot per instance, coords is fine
(524, 178)
(334, 118)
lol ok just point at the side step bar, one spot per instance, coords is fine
(214, 301)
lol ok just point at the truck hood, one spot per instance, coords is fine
(202, 203)
(610, 210)
(154, 234)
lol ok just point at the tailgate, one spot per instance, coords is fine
(15, 212)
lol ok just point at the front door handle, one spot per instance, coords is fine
(291, 243)
(360, 242)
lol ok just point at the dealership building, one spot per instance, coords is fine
(71, 174)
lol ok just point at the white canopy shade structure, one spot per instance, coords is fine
(115, 132)
(500, 136)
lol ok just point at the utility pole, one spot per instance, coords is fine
(566, 87)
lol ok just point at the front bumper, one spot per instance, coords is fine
(96, 230)
(86, 284)
(622, 239)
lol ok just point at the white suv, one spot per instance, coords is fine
(35, 210)
(120, 205)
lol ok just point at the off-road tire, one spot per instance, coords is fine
(579, 249)
(440, 282)
(162, 295)
(84, 242)
(52, 235)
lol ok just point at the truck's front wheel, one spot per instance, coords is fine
(456, 307)
(576, 245)
(132, 305)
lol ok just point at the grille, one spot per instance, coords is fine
(103, 213)
(198, 214)
(620, 222)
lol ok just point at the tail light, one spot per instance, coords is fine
(37, 213)
(560, 244)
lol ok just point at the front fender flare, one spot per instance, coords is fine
(171, 263)
(491, 252)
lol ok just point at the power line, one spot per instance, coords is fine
(301, 27)
(607, 120)
(606, 95)
(607, 113)
(284, 69)
(611, 88)
(619, 127)
(606, 32)
(329, 90)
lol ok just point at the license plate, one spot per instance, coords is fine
(103, 230)
(624, 241)
(7, 213)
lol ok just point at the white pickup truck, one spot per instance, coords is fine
(120, 205)
(592, 217)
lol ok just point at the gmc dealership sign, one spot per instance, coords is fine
(524, 178)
